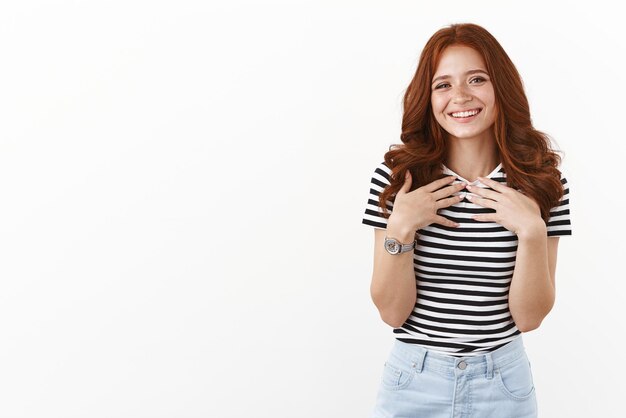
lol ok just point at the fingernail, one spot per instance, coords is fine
(468, 187)
(469, 197)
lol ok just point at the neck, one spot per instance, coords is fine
(470, 158)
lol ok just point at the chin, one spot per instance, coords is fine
(467, 136)
(463, 135)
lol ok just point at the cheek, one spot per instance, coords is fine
(493, 116)
(493, 111)
(437, 104)
(489, 98)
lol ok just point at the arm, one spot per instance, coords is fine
(393, 287)
(532, 290)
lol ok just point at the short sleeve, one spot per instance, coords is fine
(559, 222)
(373, 214)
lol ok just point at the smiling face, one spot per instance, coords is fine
(462, 96)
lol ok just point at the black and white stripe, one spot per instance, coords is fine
(463, 274)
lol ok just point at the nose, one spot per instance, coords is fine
(461, 95)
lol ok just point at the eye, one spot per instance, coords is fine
(477, 78)
(441, 85)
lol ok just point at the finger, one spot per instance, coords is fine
(447, 191)
(438, 184)
(483, 192)
(497, 186)
(449, 201)
(406, 186)
(487, 203)
(484, 217)
(445, 222)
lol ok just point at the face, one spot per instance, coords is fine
(462, 96)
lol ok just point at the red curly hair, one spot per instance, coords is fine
(526, 154)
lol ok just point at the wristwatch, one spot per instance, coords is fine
(393, 246)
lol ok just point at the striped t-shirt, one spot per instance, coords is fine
(462, 274)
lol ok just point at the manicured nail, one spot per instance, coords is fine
(469, 197)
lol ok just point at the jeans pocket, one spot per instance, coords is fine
(395, 377)
(516, 379)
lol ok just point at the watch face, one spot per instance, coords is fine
(392, 246)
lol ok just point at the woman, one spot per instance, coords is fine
(466, 239)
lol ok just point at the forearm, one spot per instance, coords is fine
(531, 293)
(393, 287)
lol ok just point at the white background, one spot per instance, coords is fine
(181, 192)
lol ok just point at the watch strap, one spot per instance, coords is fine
(408, 247)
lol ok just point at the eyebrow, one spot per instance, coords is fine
(441, 77)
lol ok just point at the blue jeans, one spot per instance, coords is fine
(418, 382)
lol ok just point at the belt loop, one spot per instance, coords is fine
(417, 362)
(489, 359)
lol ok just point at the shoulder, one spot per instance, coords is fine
(382, 174)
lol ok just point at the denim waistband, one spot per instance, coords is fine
(418, 357)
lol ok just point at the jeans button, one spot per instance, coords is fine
(462, 365)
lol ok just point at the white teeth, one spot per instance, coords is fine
(465, 114)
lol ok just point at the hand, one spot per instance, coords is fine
(513, 210)
(418, 208)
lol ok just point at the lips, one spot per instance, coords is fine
(462, 114)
